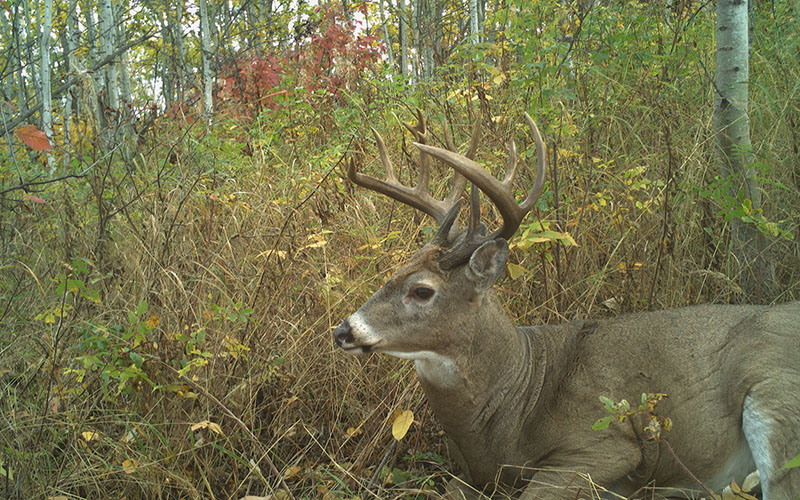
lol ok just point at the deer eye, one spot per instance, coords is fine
(422, 292)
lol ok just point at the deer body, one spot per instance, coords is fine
(518, 403)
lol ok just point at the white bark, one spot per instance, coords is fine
(70, 43)
(30, 38)
(401, 9)
(22, 99)
(474, 27)
(732, 127)
(107, 41)
(44, 74)
(205, 35)
(177, 33)
(386, 38)
(733, 73)
(120, 40)
(98, 77)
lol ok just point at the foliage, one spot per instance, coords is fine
(192, 273)
(331, 56)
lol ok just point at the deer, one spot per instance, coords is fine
(517, 403)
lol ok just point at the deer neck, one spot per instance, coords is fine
(497, 368)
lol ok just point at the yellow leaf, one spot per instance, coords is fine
(292, 473)
(89, 436)
(515, 270)
(402, 422)
(207, 424)
(129, 466)
(200, 425)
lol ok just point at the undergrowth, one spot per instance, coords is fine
(167, 317)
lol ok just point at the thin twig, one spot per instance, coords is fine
(686, 469)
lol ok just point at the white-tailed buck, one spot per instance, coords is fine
(518, 403)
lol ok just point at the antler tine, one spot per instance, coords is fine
(499, 192)
(541, 156)
(459, 181)
(417, 196)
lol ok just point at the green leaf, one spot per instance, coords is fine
(136, 358)
(793, 463)
(602, 424)
(515, 270)
(141, 308)
(609, 405)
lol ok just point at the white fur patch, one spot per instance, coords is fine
(738, 466)
(434, 368)
(362, 331)
(757, 429)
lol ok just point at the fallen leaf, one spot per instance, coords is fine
(129, 466)
(292, 473)
(89, 436)
(207, 424)
(402, 422)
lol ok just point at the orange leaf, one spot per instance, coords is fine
(33, 198)
(33, 138)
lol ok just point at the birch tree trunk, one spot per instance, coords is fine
(107, 39)
(386, 38)
(98, 77)
(732, 127)
(30, 43)
(401, 9)
(121, 38)
(44, 74)
(474, 30)
(180, 63)
(70, 42)
(205, 35)
(22, 95)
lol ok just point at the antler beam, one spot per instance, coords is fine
(417, 196)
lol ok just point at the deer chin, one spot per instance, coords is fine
(356, 349)
(434, 368)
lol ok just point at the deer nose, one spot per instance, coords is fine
(343, 333)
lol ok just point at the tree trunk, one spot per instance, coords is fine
(44, 74)
(205, 35)
(732, 127)
(97, 76)
(70, 42)
(401, 9)
(107, 39)
(386, 38)
(474, 27)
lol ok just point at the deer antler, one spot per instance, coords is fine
(417, 196)
(498, 192)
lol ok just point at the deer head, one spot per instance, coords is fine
(446, 283)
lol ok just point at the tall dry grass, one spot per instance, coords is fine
(248, 248)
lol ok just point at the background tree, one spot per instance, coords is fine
(732, 126)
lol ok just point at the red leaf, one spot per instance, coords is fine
(34, 138)
(34, 199)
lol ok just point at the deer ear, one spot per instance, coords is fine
(487, 263)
